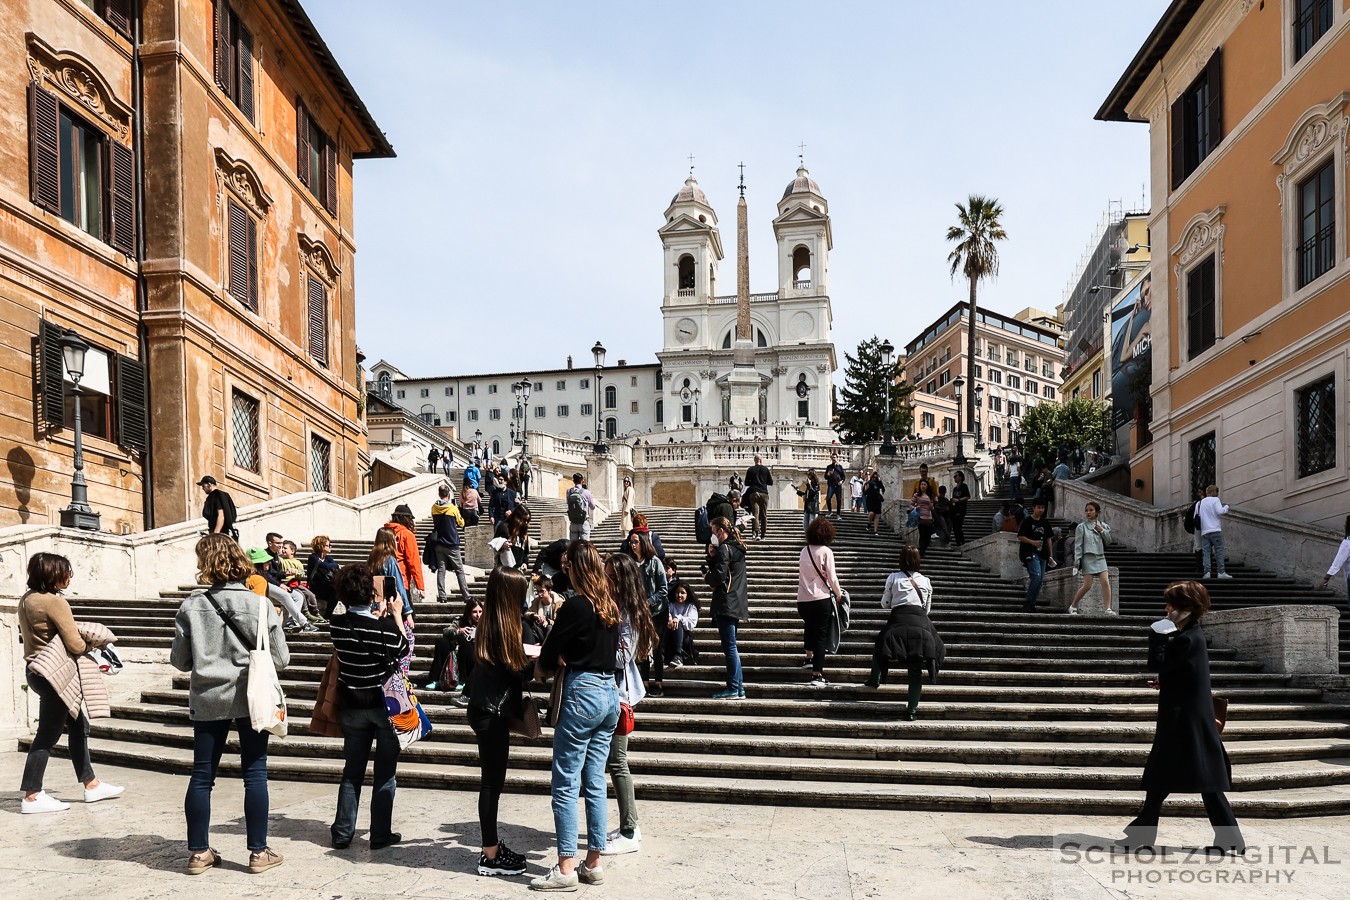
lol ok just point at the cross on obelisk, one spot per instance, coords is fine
(801, 153)
(691, 164)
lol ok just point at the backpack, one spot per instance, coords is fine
(576, 506)
(1191, 521)
(702, 530)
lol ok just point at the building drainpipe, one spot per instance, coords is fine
(142, 299)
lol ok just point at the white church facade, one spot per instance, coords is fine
(688, 384)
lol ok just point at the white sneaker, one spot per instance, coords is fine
(1112, 612)
(104, 791)
(617, 845)
(1224, 575)
(42, 803)
(1073, 610)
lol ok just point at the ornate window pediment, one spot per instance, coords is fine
(1201, 234)
(243, 182)
(319, 260)
(74, 77)
(1317, 130)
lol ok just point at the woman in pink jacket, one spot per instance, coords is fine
(817, 591)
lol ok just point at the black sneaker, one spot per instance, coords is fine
(508, 862)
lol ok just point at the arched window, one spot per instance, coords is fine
(386, 385)
(801, 267)
(760, 339)
(611, 397)
(611, 428)
(686, 266)
(496, 447)
(428, 414)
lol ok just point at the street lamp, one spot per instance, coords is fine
(913, 425)
(79, 514)
(887, 443)
(478, 439)
(979, 425)
(698, 393)
(960, 459)
(598, 351)
(525, 421)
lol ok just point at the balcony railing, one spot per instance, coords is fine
(685, 292)
(1316, 255)
(754, 298)
(802, 285)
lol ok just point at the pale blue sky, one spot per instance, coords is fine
(539, 144)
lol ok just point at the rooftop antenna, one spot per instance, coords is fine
(742, 167)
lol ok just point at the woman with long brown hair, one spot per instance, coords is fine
(495, 697)
(582, 648)
(383, 560)
(638, 639)
(730, 607)
(655, 587)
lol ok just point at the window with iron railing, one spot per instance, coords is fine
(1317, 224)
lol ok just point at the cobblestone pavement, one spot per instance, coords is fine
(133, 847)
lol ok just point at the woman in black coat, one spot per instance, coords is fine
(1188, 754)
(730, 606)
(908, 639)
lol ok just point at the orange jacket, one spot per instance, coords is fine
(409, 560)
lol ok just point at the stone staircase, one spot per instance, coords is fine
(1033, 713)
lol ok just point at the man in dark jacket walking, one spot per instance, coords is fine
(758, 478)
(834, 485)
(218, 510)
(446, 522)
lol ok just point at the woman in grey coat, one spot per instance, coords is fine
(213, 633)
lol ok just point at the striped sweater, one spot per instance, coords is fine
(368, 652)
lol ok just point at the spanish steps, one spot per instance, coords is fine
(1031, 713)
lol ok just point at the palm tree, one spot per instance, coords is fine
(978, 226)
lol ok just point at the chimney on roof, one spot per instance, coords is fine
(569, 360)
(623, 362)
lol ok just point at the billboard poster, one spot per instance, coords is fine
(1132, 362)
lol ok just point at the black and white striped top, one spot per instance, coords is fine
(368, 651)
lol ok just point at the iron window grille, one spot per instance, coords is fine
(244, 419)
(1204, 470)
(1317, 224)
(321, 463)
(1316, 434)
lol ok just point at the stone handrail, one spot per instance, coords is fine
(1276, 544)
(142, 565)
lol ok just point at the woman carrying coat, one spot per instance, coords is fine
(45, 616)
(205, 643)
(1187, 754)
(581, 649)
(729, 607)
(908, 638)
(818, 590)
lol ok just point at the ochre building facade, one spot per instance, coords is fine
(1247, 105)
(176, 189)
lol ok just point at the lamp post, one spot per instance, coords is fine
(888, 443)
(960, 458)
(525, 386)
(913, 425)
(478, 441)
(79, 514)
(1013, 422)
(979, 418)
(698, 393)
(598, 351)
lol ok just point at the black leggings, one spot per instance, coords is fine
(1225, 824)
(655, 669)
(816, 615)
(494, 750)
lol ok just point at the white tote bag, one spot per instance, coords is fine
(266, 702)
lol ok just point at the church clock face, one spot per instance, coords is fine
(686, 330)
(801, 325)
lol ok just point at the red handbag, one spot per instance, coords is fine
(626, 720)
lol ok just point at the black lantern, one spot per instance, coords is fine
(79, 514)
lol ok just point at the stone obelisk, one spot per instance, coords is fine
(743, 379)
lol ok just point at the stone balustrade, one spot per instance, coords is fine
(1292, 640)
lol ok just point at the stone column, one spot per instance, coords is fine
(602, 477)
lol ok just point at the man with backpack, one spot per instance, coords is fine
(433, 458)
(579, 506)
(444, 545)
(758, 478)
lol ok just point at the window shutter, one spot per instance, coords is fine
(252, 263)
(1178, 141)
(222, 43)
(1214, 78)
(133, 409)
(318, 321)
(237, 228)
(121, 196)
(51, 370)
(44, 156)
(330, 177)
(302, 142)
(243, 51)
(119, 17)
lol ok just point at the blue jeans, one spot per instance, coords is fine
(359, 727)
(835, 491)
(1035, 575)
(590, 710)
(1211, 546)
(806, 519)
(726, 630)
(208, 742)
